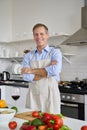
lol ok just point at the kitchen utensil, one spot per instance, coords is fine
(5, 75)
(25, 115)
(6, 114)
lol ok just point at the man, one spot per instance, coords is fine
(42, 67)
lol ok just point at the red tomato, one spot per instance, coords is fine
(12, 124)
(84, 127)
(35, 114)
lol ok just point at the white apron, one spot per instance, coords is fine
(43, 94)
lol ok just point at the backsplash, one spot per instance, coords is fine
(77, 56)
(78, 66)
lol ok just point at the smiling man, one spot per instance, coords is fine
(42, 67)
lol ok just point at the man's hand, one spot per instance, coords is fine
(38, 77)
(38, 71)
(25, 70)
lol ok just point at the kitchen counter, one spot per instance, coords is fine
(14, 83)
(25, 85)
(74, 124)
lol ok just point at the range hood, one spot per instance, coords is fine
(79, 37)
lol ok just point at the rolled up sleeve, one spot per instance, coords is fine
(25, 63)
(54, 70)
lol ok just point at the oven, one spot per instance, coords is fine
(73, 101)
(72, 105)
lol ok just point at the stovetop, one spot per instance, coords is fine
(75, 87)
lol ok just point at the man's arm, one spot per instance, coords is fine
(37, 77)
(39, 72)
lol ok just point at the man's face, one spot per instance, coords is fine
(40, 36)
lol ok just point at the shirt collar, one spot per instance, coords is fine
(45, 49)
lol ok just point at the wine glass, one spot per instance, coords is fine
(15, 93)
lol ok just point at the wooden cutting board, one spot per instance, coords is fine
(25, 116)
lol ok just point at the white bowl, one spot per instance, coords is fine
(7, 115)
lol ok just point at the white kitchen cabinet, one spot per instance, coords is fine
(21, 101)
(86, 107)
(23, 21)
(86, 112)
(17, 20)
(2, 87)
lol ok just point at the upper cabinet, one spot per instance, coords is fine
(17, 17)
(5, 20)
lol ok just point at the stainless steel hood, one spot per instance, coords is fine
(79, 37)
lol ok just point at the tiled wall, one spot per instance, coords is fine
(76, 67)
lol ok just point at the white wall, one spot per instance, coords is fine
(17, 17)
(61, 16)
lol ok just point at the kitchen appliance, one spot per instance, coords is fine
(73, 105)
(80, 37)
(5, 75)
(1, 76)
(73, 99)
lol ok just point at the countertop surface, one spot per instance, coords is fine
(25, 84)
(14, 83)
(74, 124)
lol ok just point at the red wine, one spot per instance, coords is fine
(15, 97)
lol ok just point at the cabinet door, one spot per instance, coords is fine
(86, 112)
(2, 87)
(86, 107)
(21, 102)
